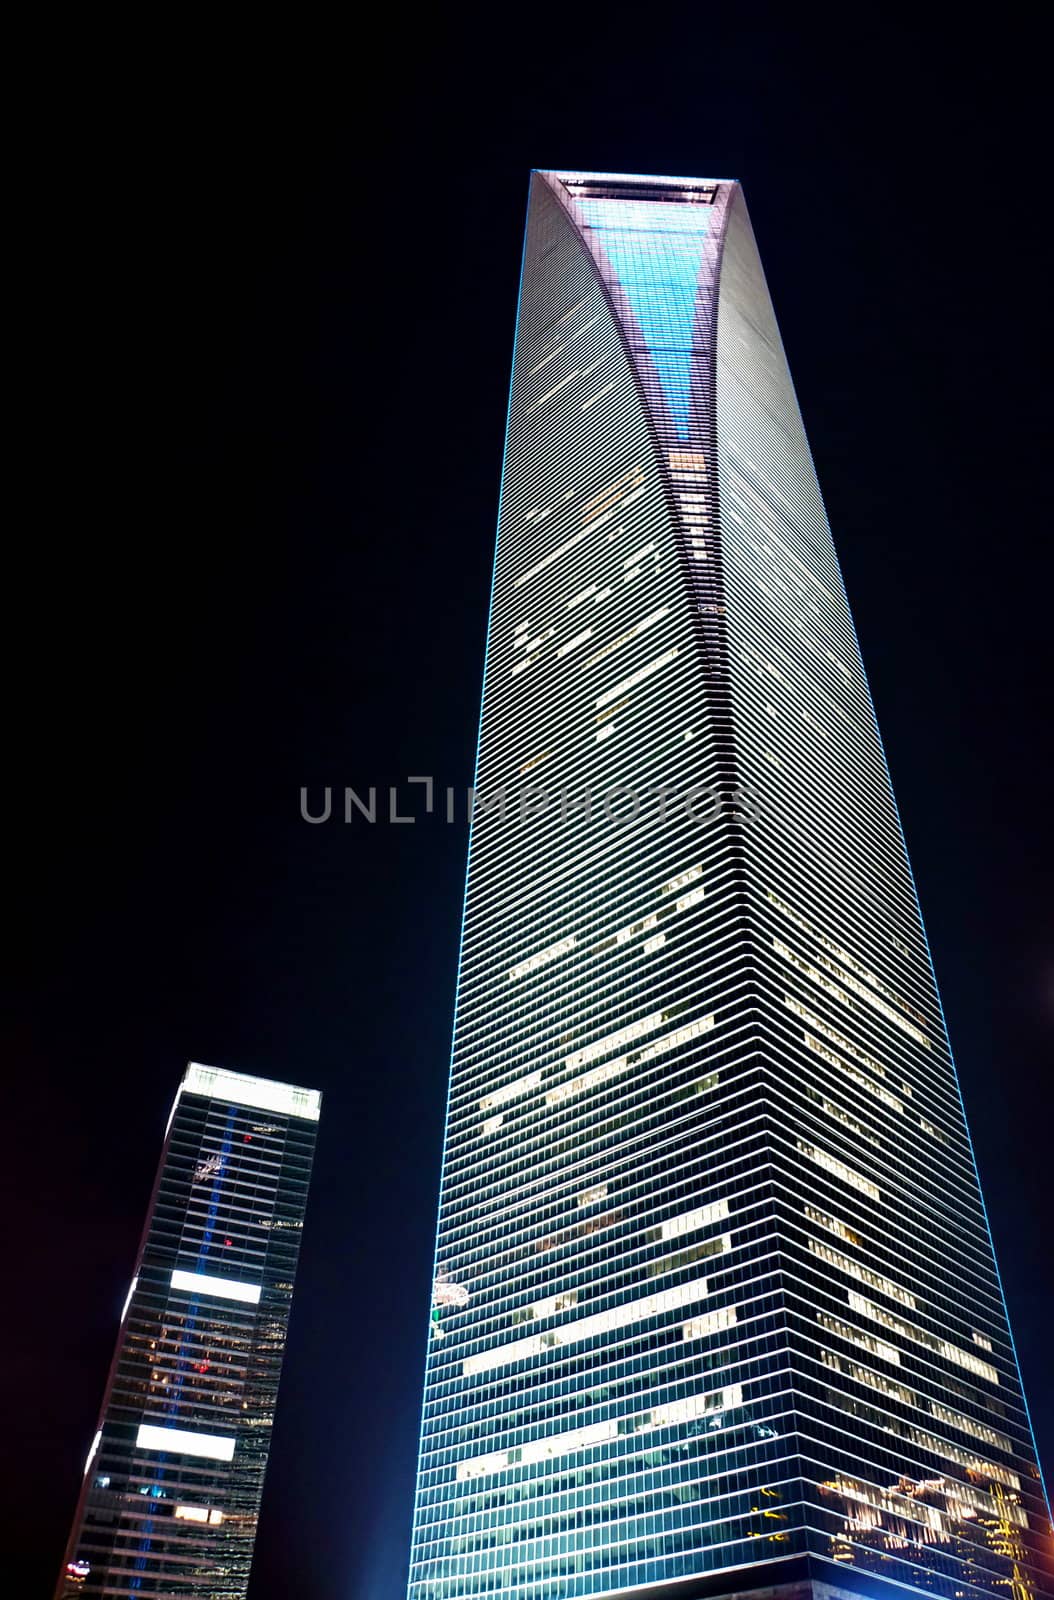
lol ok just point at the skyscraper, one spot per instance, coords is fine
(716, 1308)
(174, 1476)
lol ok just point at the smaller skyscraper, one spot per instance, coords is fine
(174, 1476)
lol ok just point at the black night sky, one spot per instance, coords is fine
(269, 290)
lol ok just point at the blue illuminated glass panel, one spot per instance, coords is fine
(656, 252)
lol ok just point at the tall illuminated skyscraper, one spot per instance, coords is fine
(716, 1307)
(174, 1476)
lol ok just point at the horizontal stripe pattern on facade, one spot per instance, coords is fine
(702, 1107)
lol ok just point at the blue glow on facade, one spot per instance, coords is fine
(656, 251)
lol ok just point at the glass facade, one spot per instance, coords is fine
(715, 1302)
(174, 1475)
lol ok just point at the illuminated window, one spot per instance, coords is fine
(696, 1405)
(216, 1447)
(711, 1322)
(839, 1169)
(861, 972)
(614, 493)
(874, 1280)
(863, 1341)
(977, 1430)
(845, 1119)
(554, 1445)
(554, 555)
(536, 761)
(670, 1041)
(687, 461)
(688, 1091)
(872, 1380)
(572, 644)
(692, 898)
(637, 677)
(587, 1327)
(963, 1458)
(593, 398)
(552, 953)
(682, 880)
(832, 1224)
(690, 1221)
(613, 1041)
(623, 638)
(192, 1513)
(588, 1080)
(556, 388)
(222, 1288)
(950, 1352)
(851, 1072)
(555, 1304)
(542, 638)
(684, 1258)
(511, 1091)
(553, 1241)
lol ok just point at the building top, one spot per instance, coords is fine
(641, 181)
(219, 1083)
